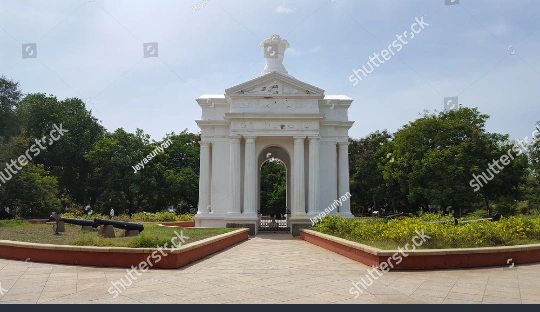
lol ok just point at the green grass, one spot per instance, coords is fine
(152, 236)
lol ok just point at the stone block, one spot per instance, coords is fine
(107, 231)
(297, 226)
(129, 233)
(250, 226)
(59, 227)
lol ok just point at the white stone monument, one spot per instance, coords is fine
(273, 115)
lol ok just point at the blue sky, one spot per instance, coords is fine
(94, 50)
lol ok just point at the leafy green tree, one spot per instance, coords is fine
(10, 97)
(65, 157)
(506, 185)
(532, 188)
(435, 157)
(114, 183)
(273, 187)
(32, 193)
(180, 167)
(367, 183)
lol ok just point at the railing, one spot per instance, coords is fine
(272, 224)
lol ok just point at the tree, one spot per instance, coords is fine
(10, 96)
(180, 166)
(273, 187)
(114, 182)
(532, 189)
(367, 183)
(65, 158)
(435, 157)
(33, 193)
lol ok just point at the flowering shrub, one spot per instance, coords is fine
(388, 234)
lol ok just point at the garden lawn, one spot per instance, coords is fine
(391, 234)
(152, 236)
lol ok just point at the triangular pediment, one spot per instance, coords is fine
(274, 84)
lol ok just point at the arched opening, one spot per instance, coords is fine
(273, 190)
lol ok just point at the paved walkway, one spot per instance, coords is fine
(271, 268)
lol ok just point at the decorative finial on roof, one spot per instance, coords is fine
(274, 52)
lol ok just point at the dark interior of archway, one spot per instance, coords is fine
(273, 188)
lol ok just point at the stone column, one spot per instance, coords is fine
(299, 188)
(250, 177)
(313, 196)
(204, 178)
(343, 179)
(234, 176)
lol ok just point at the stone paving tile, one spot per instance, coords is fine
(332, 296)
(397, 299)
(268, 269)
(404, 290)
(50, 293)
(258, 300)
(470, 284)
(24, 301)
(499, 300)
(502, 294)
(361, 300)
(429, 293)
(378, 289)
(470, 291)
(307, 300)
(436, 287)
(25, 290)
(427, 299)
(466, 297)
(458, 301)
(528, 296)
(528, 301)
(503, 288)
(20, 296)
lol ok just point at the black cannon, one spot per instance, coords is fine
(455, 220)
(130, 229)
(81, 222)
(397, 215)
(121, 224)
(497, 217)
(86, 225)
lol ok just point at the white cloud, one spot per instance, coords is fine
(283, 9)
(500, 29)
(295, 52)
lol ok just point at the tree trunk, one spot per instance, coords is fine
(487, 204)
(131, 205)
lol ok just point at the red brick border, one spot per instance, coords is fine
(119, 257)
(427, 258)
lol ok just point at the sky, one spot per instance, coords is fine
(485, 52)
